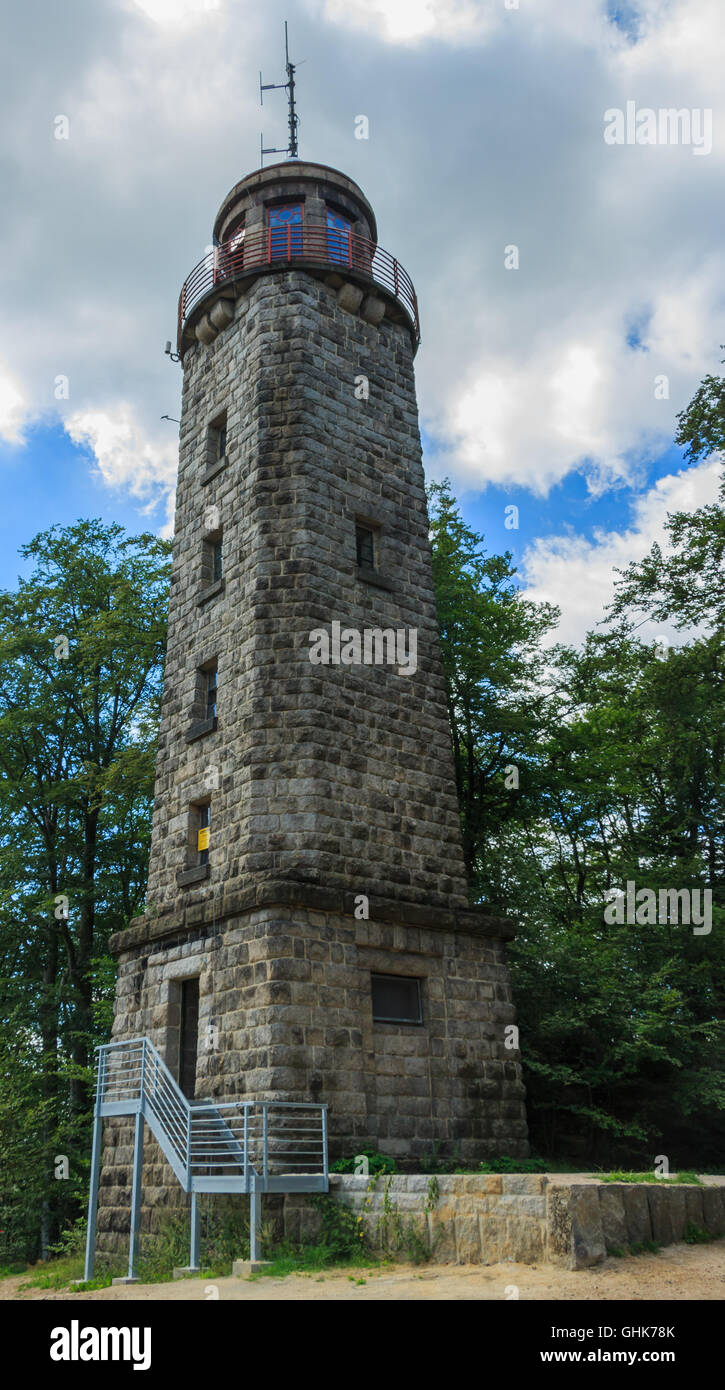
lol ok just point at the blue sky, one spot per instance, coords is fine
(536, 385)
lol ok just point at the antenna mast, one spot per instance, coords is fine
(293, 120)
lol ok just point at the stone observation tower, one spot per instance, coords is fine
(307, 933)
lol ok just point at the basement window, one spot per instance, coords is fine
(396, 999)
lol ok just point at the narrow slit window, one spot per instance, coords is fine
(216, 561)
(211, 693)
(203, 834)
(216, 447)
(365, 543)
(396, 999)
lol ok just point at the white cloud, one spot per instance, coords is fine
(175, 11)
(13, 407)
(127, 459)
(577, 574)
(405, 21)
(486, 129)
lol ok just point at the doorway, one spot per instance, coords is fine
(189, 1036)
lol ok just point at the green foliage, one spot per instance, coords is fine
(435, 1161)
(399, 1235)
(490, 643)
(701, 427)
(619, 753)
(343, 1233)
(514, 1165)
(78, 729)
(694, 1235)
(432, 1194)
(674, 1178)
(377, 1162)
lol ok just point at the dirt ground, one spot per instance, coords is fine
(679, 1272)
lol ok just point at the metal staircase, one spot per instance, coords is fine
(237, 1146)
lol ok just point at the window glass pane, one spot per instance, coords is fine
(396, 999)
(285, 230)
(338, 237)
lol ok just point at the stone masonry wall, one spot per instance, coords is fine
(290, 995)
(334, 774)
(486, 1219)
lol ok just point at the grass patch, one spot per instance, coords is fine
(287, 1259)
(675, 1178)
(513, 1165)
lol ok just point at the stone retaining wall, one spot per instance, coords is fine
(525, 1218)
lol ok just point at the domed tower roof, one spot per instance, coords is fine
(302, 216)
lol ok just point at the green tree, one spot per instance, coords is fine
(81, 653)
(490, 642)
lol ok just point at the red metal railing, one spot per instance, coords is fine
(299, 245)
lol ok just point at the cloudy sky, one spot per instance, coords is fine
(553, 387)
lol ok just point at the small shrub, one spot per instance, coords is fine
(513, 1165)
(694, 1235)
(343, 1233)
(432, 1162)
(377, 1162)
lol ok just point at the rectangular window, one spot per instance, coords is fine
(212, 561)
(396, 999)
(189, 1036)
(211, 693)
(216, 444)
(203, 833)
(285, 231)
(365, 543)
(339, 238)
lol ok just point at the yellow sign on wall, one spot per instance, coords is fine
(203, 839)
